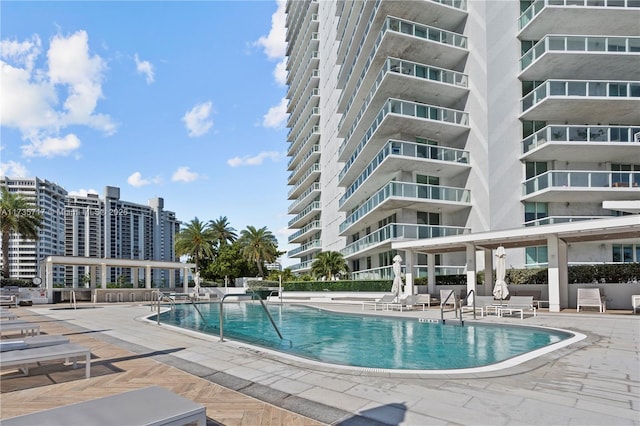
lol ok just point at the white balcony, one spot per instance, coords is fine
(305, 198)
(305, 232)
(582, 186)
(550, 220)
(301, 267)
(305, 181)
(577, 57)
(615, 144)
(581, 101)
(305, 215)
(306, 249)
(310, 157)
(615, 17)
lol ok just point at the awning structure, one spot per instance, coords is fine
(556, 237)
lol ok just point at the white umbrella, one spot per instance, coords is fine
(196, 280)
(500, 291)
(397, 280)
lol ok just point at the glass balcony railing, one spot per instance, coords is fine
(302, 266)
(313, 225)
(406, 149)
(412, 69)
(305, 194)
(386, 272)
(407, 190)
(315, 130)
(394, 231)
(549, 220)
(538, 5)
(305, 247)
(581, 179)
(314, 150)
(315, 168)
(581, 134)
(564, 43)
(580, 88)
(311, 207)
(408, 109)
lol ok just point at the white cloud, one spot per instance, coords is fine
(183, 174)
(51, 146)
(137, 181)
(40, 102)
(276, 116)
(83, 192)
(13, 169)
(280, 72)
(198, 120)
(275, 43)
(145, 68)
(256, 160)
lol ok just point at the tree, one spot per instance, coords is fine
(329, 265)
(17, 215)
(229, 263)
(196, 241)
(258, 246)
(222, 231)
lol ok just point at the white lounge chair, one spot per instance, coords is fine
(590, 297)
(382, 302)
(7, 315)
(32, 342)
(483, 304)
(411, 301)
(8, 300)
(445, 299)
(21, 358)
(24, 327)
(517, 304)
(148, 406)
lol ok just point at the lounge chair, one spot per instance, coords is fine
(445, 299)
(590, 297)
(32, 342)
(517, 304)
(411, 301)
(382, 302)
(7, 315)
(147, 406)
(24, 327)
(21, 358)
(8, 300)
(483, 304)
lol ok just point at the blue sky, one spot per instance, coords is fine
(180, 100)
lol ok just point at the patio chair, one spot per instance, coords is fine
(382, 302)
(153, 405)
(21, 358)
(517, 304)
(483, 305)
(590, 297)
(452, 300)
(24, 327)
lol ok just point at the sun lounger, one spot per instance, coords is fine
(590, 297)
(382, 302)
(148, 406)
(24, 327)
(7, 315)
(68, 351)
(8, 300)
(411, 301)
(32, 342)
(517, 304)
(483, 304)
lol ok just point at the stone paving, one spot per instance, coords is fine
(595, 381)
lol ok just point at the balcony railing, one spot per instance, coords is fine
(538, 5)
(312, 188)
(549, 220)
(313, 225)
(581, 179)
(315, 168)
(305, 247)
(407, 190)
(311, 207)
(408, 109)
(564, 43)
(580, 88)
(302, 266)
(314, 150)
(406, 149)
(581, 134)
(386, 272)
(394, 231)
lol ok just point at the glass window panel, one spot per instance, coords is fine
(394, 65)
(556, 43)
(634, 43)
(627, 253)
(421, 71)
(542, 254)
(421, 111)
(598, 134)
(421, 32)
(530, 253)
(575, 43)
(435, 74)
(616, 252)
(596, 44)
(557, 88)
(406, 28)
(634, 90)
(616, 89)
(616, 44)
(558, 133)
(578, 134)
(576, 88)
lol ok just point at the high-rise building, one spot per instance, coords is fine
(87, 226)
(419, 119)
(49, 200)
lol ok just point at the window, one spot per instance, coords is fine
(536, 255)
(535, 211)
(624, 253)
(535, 168)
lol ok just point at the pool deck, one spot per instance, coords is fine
(595, 381)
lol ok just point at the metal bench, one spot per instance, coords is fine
(21, 358)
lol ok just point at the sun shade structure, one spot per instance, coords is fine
(500, 290)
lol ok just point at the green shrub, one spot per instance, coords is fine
(15, 282)
(342, 285)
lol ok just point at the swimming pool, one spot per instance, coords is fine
(365, 340)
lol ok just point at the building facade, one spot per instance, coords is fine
(90, 226)
(420, 119)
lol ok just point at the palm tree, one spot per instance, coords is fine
(329, 264)
(259, 246)
(196, 241)
(222, 231)
(19, 216)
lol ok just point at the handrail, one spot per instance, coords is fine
(161, 297)
(455, 307)
(193, 302)
(471, 292)
(253, 296)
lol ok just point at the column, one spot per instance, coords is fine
(488, 272)
(185, 281)
(431, 274)
(408, 272)
(147, 277)
(134, 277)
(48, 280)
(471, 267)
(103, 276)
(172, 278)
(92, 276)
(558, 273)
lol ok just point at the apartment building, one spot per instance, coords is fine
(90, 226)
(49, 200)
(419, 119)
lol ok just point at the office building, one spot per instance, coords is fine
(420, 119)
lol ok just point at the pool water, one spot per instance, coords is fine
(364, 340)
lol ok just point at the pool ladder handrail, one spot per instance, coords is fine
(163, 297)
(471, 292)
(193, 302)
(456, 307)
(253, 296)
